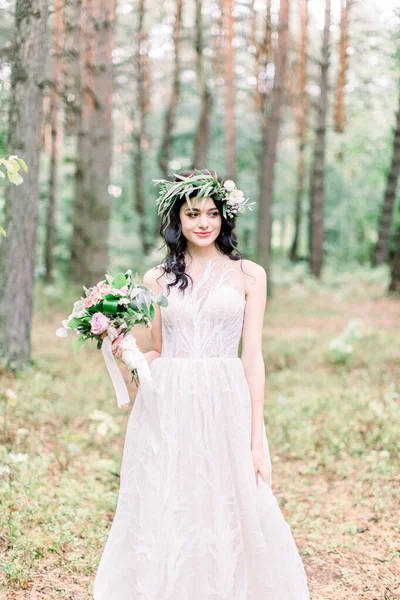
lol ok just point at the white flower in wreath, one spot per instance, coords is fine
(236, 197)
(229, 185)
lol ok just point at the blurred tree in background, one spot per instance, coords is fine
(17, 256)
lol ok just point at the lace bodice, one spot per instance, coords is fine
(206, 320)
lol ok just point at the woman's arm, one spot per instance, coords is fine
(253, 361)
(150, 281)
(252, 357)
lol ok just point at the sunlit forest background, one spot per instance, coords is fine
(298, 102)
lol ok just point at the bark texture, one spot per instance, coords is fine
(316, 234)
(89, 252)
(230, 141)
(18, 249)
(389, 201)
(202, 136)
(270, 141)
(343, 64)
(140, 140)
(170, 115)
(56, 137)
(301, 109)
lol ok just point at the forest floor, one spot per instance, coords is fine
(332, 404)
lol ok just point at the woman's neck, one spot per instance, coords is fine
(201, 255)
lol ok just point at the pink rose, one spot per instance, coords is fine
(103, 289)
(87, 302)
(99, 323)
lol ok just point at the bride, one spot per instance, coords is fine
(198, 519)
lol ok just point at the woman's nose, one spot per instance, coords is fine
(203, 221)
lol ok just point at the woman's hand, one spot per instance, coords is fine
(116, 345)
(261, 466)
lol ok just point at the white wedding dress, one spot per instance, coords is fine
(190, 523)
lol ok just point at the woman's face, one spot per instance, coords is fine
(200, 224)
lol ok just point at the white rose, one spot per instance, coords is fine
(229, 185)
(78, 311)
(236, 197)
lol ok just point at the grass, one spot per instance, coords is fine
(332, 424)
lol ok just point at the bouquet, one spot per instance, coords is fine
(114, 306)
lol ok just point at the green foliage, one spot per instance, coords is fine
(12, 166)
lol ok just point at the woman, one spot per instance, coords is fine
(198, 520)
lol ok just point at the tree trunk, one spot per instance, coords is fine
(202, 137)
(171, 110)
(395, 269)
(89, 253)
(230, 150)
(72, 16)
(262, 57)
(17, 257)
(382, 247)
(270, 141)
(302, 103)
(343, 62)
(140, 140)
(217, 59)
(56, 132)
(316, 236)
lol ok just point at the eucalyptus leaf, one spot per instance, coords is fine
(119, 281)
(162, 300)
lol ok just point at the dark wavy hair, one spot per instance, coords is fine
(175, 241)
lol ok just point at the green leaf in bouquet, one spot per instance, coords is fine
(110, 304)
(74, 323)
(119, 281)
(162, 300)
(85, 320)
(133, 293)
(151, 312)
(95, 308)
(79, 342)
(132, 312)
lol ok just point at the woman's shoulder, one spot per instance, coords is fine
(254, 269)
(152, 276)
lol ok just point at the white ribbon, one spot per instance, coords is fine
(133, 358)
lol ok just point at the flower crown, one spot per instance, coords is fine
(205, 185)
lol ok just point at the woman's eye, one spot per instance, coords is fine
(214, 214)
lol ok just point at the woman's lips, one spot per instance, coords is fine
(203, 233)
